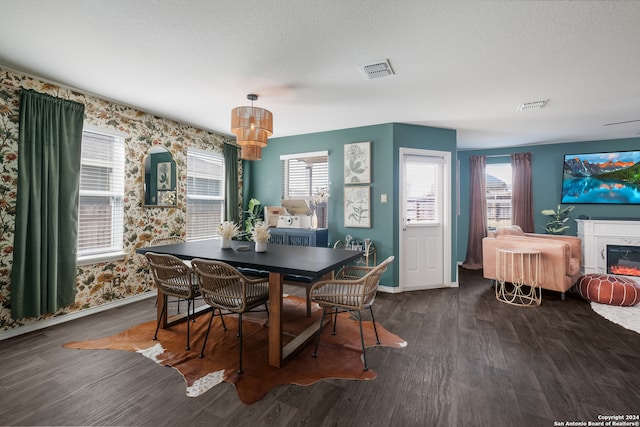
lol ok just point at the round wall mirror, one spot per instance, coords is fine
(159, 178)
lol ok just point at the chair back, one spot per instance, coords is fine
(221, 285)
(372, 279)
(172, 276)
(166, 241)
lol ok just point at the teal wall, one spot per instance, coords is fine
(263, 179)
(547, 183)
(427, 138)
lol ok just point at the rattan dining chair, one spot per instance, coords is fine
(171, 240)
(225, 288)
(353, 289)
(173, 278)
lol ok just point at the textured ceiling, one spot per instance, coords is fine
(463, 65)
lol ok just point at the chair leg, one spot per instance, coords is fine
(178, 311)
(213, 313)
(164, 307)
(335, 321)
(315, 350)
(364, 354)
(224, 326)
(188, 327)
(374, 325)
(240, 334)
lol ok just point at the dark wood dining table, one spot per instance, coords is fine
(279, 261)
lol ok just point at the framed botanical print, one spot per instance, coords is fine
(164, 176)
(357, 206)
(357, 163)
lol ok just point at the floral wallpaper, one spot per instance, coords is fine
(102, 283)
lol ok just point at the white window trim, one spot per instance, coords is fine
(321, 209)
(304, 155)
(104, 257)
(284, 157)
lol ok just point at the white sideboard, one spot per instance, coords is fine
(596, 234)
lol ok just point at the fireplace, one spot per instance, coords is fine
(599, 234)
(623, 260)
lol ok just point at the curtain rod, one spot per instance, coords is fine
(499, 155)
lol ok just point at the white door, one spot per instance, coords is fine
(425, 230)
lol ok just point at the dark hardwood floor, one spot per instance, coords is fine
(470, 361)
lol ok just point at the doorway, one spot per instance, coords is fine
(425, 219)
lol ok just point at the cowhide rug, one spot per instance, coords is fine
(627, 317)
(339, 356)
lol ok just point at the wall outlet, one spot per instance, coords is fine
(383, 198)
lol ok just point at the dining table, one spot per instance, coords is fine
(280, 261)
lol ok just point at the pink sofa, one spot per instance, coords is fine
(561, 256)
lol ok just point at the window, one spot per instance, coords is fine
(304, 174)
(100, 207)
(422, 189)
(205, 193)
(498, 182)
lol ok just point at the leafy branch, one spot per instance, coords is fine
(558, 223)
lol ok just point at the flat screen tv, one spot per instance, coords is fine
(605, 178)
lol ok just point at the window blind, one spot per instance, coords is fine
(101, 207)
(205, 193)
(304, 176)
(498, 182)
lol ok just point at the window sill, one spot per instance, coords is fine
(95, 259)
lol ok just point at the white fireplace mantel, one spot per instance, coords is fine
(596, 234)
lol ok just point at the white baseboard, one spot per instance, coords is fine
(389, 289)
(10, 333)
(397, 289)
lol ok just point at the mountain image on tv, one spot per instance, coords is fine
(577, 167)
(602, 178)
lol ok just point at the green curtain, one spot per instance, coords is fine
(231, 183)
(43, 276)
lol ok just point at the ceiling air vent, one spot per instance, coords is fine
(532, 105)
(377, 69)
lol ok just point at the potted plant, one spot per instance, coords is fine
(260, 234)
(558, 223)
(254, 214)
(228, 230)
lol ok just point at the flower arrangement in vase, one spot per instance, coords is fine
(228, 230)
(260, 234)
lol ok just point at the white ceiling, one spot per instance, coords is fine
(463, 65)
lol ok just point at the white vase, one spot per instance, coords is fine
(314, 220)
(261, 246)
(225, 243)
